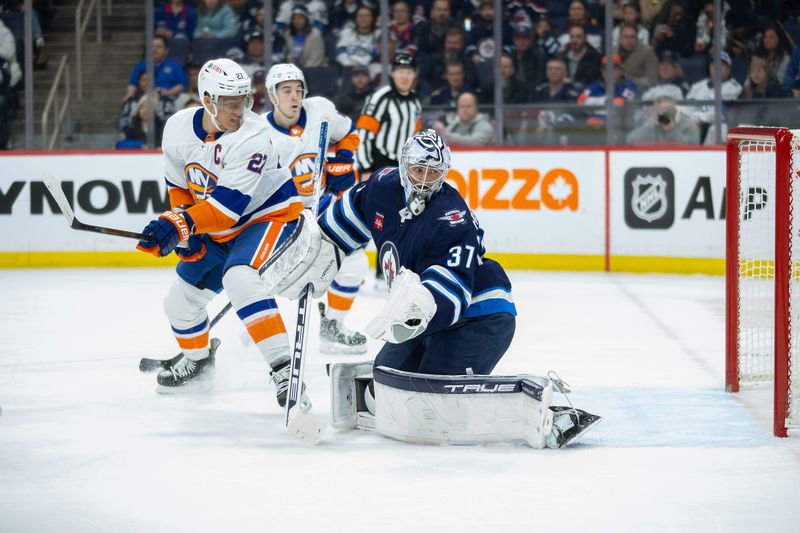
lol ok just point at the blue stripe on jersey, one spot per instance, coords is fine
(452, 287)
(232, 199)
(453, 279)
(490, 307)
(286, 192)
(444, 292)
(199, 131)
(193, 329)
(336, 226)
(342, 288)
(257, 307)
(346, 221)
(353, 217)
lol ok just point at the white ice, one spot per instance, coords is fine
(86, 445)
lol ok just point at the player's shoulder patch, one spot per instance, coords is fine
(454, 217)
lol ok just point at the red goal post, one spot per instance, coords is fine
(763, 267)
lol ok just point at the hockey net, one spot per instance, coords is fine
(763, 267)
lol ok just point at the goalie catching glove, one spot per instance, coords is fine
(407, 312)
(307, 256)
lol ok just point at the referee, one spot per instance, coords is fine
(389, 117)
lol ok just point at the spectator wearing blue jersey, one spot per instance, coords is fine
(170, 78)
(791, 80)
(175, 19)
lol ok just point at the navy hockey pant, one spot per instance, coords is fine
(471, 343)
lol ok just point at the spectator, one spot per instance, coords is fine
(8, 51)
(791, 80)
(546, 42)
(216, 20)
(703, 91)
(674, 31)
(447, 95)
(526, 12)
(761, 83)
(343, 15)
(741, 33)
(650, 10)
(670, 80)
(136, 131)
(639, 60)
(175, 19)
(350, 98)
(579, 16)
(5, 102)
(469, 128)
(582, 60)
(131, 103)
(431, 33)
(253, 59)
(631, 14)
(358, 44)
(402, 30)
(481, 44)
(666, 125)
(317, 11)
(775, 49)
(514, 92)
(528, 59)
(305, 44)
(170, 78)
(254, 26)
(190, 97)
(432, 67)
(705, 27)
(557, 88)
(261, 103)
(595, 94)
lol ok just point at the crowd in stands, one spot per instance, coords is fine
(552, 62)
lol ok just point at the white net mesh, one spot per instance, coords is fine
(756, 261)
(757, 212)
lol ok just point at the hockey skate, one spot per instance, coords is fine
(335, 337)
(187, 375)
(280, 378)
(568, 425)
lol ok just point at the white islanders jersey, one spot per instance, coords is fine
(230, 179)
(298, 146)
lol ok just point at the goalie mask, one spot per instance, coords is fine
(223, 77)
(424, 162)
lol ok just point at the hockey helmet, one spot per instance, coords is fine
(223, 77)
(425, 149)
(284, 72)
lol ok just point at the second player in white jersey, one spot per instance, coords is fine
(294, 126)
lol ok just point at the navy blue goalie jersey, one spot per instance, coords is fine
(443, 245)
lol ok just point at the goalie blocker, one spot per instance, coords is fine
(465, 409)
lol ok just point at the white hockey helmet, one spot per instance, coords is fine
(425, 149)
(284, 72)
(223, 77)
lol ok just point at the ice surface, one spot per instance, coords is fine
(87, 446)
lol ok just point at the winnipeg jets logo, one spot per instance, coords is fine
(649, 200)
(454, 217)
(390, 262)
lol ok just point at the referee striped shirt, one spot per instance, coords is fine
(387, 120)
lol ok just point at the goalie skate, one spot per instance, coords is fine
(568, 425)
(335, 337)
(187, 375)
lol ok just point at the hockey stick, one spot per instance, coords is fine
(299, 424)
(54, 186)
(147, 364)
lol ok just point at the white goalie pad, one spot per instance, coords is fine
(433, 409)
(307, 256)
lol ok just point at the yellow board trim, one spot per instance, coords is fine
(575, 263)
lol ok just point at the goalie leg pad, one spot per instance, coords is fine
(348, 381)
(307, 256)
(467, 409)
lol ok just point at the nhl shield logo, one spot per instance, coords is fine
(649, 198)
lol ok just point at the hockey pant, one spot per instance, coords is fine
(232, 265)
(470, 346)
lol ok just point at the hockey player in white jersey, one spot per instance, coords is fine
(231, 208)
(294, 126)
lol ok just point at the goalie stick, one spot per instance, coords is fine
(54, 186)
(147, 364)
(299, 424)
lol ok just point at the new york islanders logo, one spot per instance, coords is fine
(390, 262)
(302, 170)
(201, 181)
